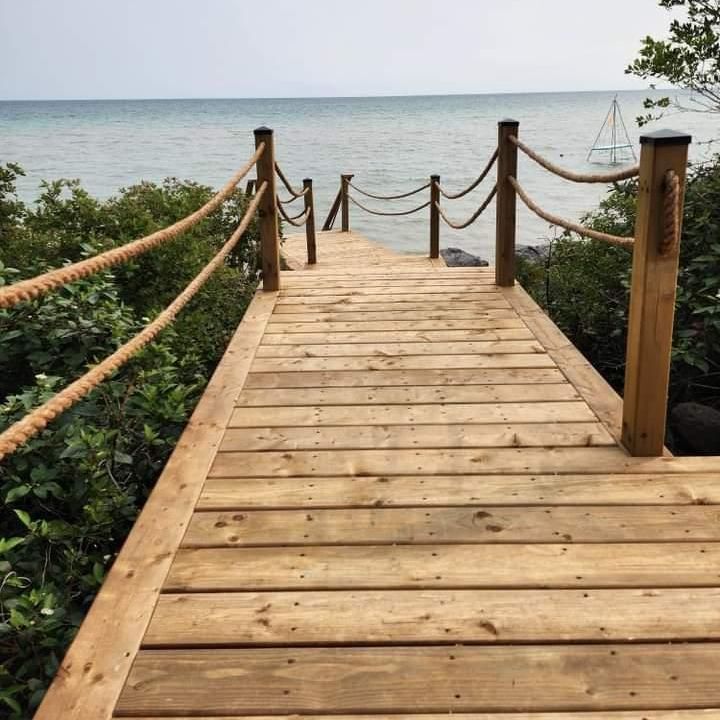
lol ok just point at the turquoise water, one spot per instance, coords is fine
(390, 143)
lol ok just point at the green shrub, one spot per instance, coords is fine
(584, 286)
(71, 494)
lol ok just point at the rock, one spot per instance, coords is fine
(698, 426)
(533, 253)
(455, 257)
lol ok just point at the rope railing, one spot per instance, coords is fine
(38, 419)
(567, 224)
(474, 183)
(671, 213)
(473, 217)
(618, 176)
(388, 214)
(389, 197)
(295, 193)
(305, 214)
(41, 284)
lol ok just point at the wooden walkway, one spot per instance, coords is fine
(403, 495)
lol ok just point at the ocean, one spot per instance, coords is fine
(391, 144)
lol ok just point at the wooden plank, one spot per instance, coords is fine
(423, 679)
(707, 714)
(452, 462)
(435, 616)
(413, 414)
(416, 490)
(399, 378)
(598, 394)
(461, 314)
(320, 337)
(394, 349)
(447, 329)
(411, 436)
(417, 287)
(429, 310)
(407, 395)
(377, 526)
(514, 565)
(423, 462)
(416, 280)
(420, 362)
(95, 667)
(489, 295)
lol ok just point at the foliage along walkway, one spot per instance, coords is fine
(403, 494)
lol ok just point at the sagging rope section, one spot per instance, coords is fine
(473, 217)
(40, 285)
(474, 183)
(567, 224)
(389, 197)
(295, 193)
(618, 176)
(39, 418)
(305, 214)
(388, 214)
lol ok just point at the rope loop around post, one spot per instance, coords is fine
(573, 176)
(42, 284)
(38, 419)
(671, 213)
(473, 217)
(474, 183)
(389, 214)
(567, 224)
(389, 197)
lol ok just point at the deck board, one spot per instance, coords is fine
(405, 498)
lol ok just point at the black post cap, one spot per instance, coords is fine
(435, 177)
(263, 130)
(307, 181)
(665, 137)
(509, 122)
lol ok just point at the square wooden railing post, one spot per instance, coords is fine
(267, 211)
(345, 202)
(505, 208)
(310, 222)
(434, 216)
(663, 162)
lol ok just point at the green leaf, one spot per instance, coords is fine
(20, 491)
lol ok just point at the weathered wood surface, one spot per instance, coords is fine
(408, 500)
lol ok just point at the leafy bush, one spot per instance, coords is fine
(71, 494)
(585, 284)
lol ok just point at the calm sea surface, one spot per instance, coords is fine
(391, 144)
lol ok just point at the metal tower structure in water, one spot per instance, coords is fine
(612, 144)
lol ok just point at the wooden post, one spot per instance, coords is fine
(310, 223)
(345, 203)
(267, 211)
(652, 297)
(505, 205)
(434, 216)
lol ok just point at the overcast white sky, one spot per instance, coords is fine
(284, 48)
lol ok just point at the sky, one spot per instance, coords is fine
(68, 49)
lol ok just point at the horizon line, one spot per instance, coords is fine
(334, 97)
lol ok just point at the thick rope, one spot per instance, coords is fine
(305, 214)
(390, 197)
(574, 227)
(290, 200)
(377, 212)
(42, 284)
(575, 177)
(671, 213)
(37, 420)
(295, 193)
(474, 183)
(473, 217)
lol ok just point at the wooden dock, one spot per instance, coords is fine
(403, 495)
